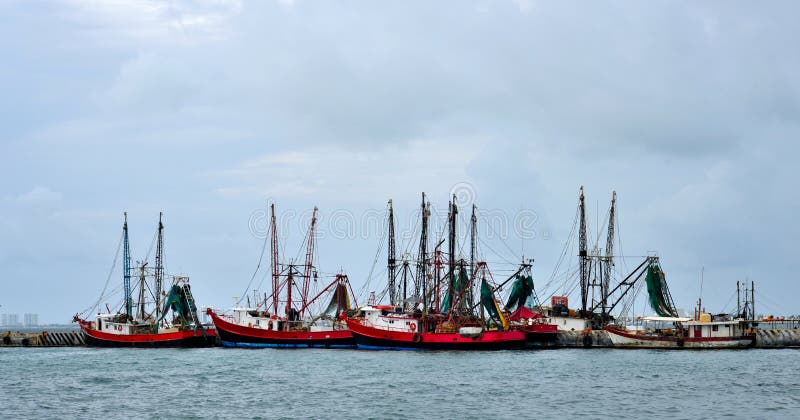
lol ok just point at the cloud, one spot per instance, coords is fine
(39, 195)
(151, 20)
(361, 175)
(690, 111)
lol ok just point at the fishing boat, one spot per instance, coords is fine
(703, 331)
(436, 312)
(685, 333)
(381, 327)
(157, 318)
(284, 320)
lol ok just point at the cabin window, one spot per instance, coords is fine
(715, 328)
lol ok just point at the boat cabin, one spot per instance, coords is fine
(387, 318)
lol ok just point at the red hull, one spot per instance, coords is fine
(376, 338)
(189, 338)
(233, 335)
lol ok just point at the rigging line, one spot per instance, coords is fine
(258, 266)
(152, 243)
(567, 245)
(489, 247)
(413, 239)
(513, 253)
(602, 228)
(770, 302)
(108, 279)
(263, 277)
(374, 263)
(618, 234)
(725, 307)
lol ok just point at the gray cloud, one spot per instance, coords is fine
(204, 110)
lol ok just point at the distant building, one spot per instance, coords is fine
(31, 320)
(10, 320)
(3, 320)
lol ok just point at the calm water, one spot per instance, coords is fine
(120, 383)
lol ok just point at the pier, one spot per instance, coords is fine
(42, 339)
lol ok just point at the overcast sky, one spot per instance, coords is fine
(208, 109)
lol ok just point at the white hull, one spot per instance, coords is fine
(627, 340)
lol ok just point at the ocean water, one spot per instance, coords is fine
(303, 383)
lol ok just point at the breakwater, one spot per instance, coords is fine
(765, 338)
(42, 339)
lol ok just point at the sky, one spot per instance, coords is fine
(209, 110)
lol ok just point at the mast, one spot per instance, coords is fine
(392, 259)
(753, 299)
(738, 301)
(275, 269)
(473, 241)
(159, 274)
(405, 284)
(609, 263)
(451, 245)
(289, 281)
(309, 259)
(437, 267)
(582, 255)
(141, 291)
(473, 237)
(423, 255)
(127, 270)
(452, 236)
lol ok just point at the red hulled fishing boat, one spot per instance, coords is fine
(284, 319)
(381, 327)
(457, 311)
(157, 319)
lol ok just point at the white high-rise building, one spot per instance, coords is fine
(3, 320)
(12, 320)
(31, 320)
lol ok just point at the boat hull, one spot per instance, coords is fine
(624, 339)
(189, 338)
(368, 337)
(233, 335)
(540, 335)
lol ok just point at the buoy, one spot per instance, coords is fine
(413, 326)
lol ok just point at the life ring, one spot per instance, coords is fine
(412, 326)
